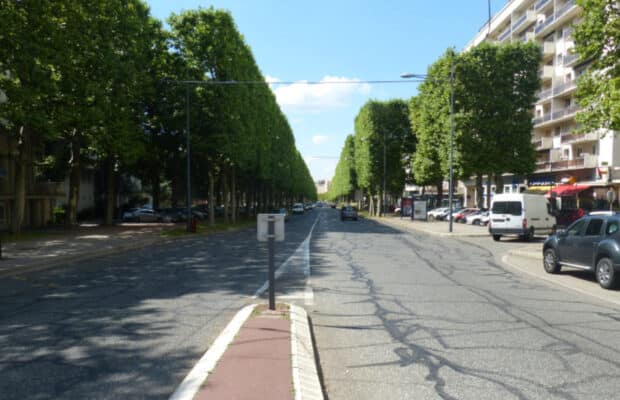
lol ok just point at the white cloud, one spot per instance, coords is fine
(319, 139)
(332, 92)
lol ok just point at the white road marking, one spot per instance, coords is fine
(192, 382)
(304, 251)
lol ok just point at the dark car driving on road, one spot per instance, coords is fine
(591, 243)
(348, 212)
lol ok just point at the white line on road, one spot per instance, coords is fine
(190, 385)
(303, 248)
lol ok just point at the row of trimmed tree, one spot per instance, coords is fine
(102, 84)
(494, 91)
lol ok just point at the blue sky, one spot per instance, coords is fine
(342, 40)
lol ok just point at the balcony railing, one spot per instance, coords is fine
(519, 21)
(569, 59)
(579, 137)
(504, 35)
(564, 87)
(544, 94)
(541, 3)
(565, 8)
(548, 21)
(544, 143)
(527, 37)
(542, 120)
(565, 112)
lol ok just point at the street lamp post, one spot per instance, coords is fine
(384, 167)
(451, 173)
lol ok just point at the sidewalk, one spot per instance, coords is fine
(439, 228)
(85, 242)
(261, 354)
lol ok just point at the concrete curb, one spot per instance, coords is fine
(305, 376)
(413, 227)
(527, 254)
(196, 377)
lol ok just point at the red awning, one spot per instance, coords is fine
(567, 190)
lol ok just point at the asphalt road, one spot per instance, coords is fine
(132, 325)
(411, 316)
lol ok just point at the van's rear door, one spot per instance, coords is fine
(507, 214)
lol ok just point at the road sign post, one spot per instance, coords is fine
(270, 228)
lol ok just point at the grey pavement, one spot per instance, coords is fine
(401, 314)
(128, 325)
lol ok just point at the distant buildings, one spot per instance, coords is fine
(322, 186)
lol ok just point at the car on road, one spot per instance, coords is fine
(348, 212)
(591, 243)
(521, 214)
(438, 213)
(298, 208)
(141, 215)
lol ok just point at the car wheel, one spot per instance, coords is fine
(476, 222)
(550, 261)
(497, 237)
(530, 235)
(431, 217)
(355, 219)
(606, 274)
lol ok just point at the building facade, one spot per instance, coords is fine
(563, 155)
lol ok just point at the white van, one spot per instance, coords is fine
(521, 214)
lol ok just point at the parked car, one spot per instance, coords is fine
(141, 215)
(591, 243)
(298, 208)
(173, 215)
(478, 218)
(522, 214)
(460, 215)
(438, 213)
(348, 212)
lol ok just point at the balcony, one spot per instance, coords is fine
(528, 36)
(572, 137)
(544, 95)
(566, 11)
(540, 28)
(540, 4)
(564, 88)
(567, 112)
(570, 59)
(546, 72)
(504, 35)
(548, 50)
(523, 21)
(555, 116)
(543, 143)
(585, 161)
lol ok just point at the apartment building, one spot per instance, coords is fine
(586, 160)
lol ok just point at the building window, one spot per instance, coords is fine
(566, 153)
(579, 152)
(593, 149)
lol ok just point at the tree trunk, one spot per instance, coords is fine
(479, 197)
(21, 167)
(233, 193)
(499, 183)
(110, 192)
(211, 198)
(371, 205)
(439, 186)
(489, 190)
(74, 181)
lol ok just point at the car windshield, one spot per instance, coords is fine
(507, 207)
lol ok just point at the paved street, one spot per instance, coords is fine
(396, 314)
(413, 316)
(132, 325)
